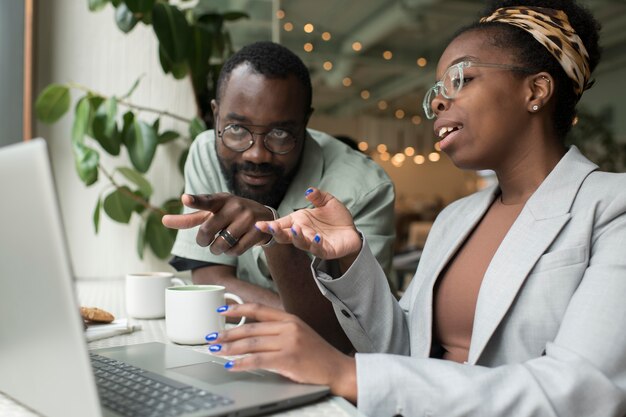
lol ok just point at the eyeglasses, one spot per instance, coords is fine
(239, 138)
(453, 80)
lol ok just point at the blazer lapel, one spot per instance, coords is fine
(437, 253)
(539, 223)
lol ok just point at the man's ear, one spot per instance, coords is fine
(308, 116)
(540, 91)
(214, 108)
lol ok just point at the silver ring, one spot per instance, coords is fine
(230, 240)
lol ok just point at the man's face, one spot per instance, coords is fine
(260, 104)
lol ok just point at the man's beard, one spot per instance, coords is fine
(271, 198)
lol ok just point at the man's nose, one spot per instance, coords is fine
(257, 153)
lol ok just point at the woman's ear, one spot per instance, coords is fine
(541, 88)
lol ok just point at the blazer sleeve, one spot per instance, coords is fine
(581, 373)
(364, 305)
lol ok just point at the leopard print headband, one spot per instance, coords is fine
(552, 29)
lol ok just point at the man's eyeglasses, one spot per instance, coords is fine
(239, 138)
(453, 80)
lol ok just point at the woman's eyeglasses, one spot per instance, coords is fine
(239, 138)
(453, 80)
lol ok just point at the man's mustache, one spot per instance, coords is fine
(257, 168)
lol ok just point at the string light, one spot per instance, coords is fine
(416, 120)
(365, 94)
(421, 62)
(409, 151)
(434, 156)
(308, 47)
(381, 148)
(437, 146)
(356, 46)
(387, 55)
(328, 65)
(326, 36)
(309, 28)
(363, 146)
(280, 14)
(385, 156)
(399, 114)
(288, 27)
(382, 105)
(347, 82)
(419, 159)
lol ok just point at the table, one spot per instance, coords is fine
(109, 294)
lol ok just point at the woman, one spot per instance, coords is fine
(518, 305)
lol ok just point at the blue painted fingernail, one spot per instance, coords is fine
(308, 191)
(229, 364)
(222, 309)
(211, 337)
(293, 231)
(215, 348)
(317, 238)
(272, 231)
(257, 227)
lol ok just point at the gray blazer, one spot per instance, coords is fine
(549, 335)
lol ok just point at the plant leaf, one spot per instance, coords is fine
(95, 5)
(96, 215)
(139, 180)
(160, 238)
(235, 15)
(173, 206)
(139, 6)
(81, 120)
(182, 160)
(119, 205)
(179, 71)
(133, 87)
(124, 18)
(86, 161)
(172, 30)
(199, 55)
(168, 136)
(196, 127)
(141, 141)
(104, 127)
(52, 103)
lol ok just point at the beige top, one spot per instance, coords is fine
(457, 289)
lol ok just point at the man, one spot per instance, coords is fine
(256, 165)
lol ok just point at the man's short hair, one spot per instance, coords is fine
(271, 60)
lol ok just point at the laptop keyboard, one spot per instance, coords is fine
(132, 391)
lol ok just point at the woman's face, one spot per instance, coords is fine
(484, 126)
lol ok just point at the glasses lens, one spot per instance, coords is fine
(279, 141)
(452, 81)
(428, 100)
(237, 138)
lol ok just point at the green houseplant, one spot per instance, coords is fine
(594, 137)
(193, 44)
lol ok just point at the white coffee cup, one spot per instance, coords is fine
(191, 312)
(145, 293)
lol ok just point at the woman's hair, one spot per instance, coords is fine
(530, 54)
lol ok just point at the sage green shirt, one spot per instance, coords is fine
(353, 178)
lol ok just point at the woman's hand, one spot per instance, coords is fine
(283, 343)
(327, 230)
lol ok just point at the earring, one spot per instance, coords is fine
(535, 107)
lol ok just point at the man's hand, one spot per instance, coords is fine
(226, 222)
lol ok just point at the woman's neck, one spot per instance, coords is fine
(519, 180)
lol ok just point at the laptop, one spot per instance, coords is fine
(44, 360)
